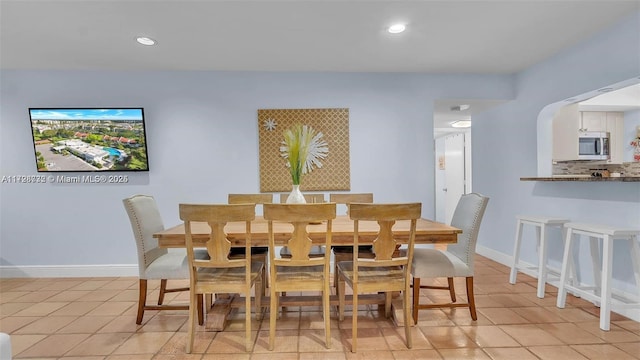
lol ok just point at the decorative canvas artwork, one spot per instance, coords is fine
(334, 174)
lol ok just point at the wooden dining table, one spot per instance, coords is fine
(427, 232)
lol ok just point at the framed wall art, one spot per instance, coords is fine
(333, 172)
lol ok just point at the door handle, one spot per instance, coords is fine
(444, 189)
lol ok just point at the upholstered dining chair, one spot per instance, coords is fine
(258, 253)
(389, 271)
(299, 271)
(219, 273)
(345, 253)
(456, 261)
(155, 263)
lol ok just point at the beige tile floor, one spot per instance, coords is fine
(94, 318)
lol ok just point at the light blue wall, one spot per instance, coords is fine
(203, 144)
(504, 149)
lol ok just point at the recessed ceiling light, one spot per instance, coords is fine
(604, 90)
(145, 40)
(461, 124)
(571, 100)
(396, 28)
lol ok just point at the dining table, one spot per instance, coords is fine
(427, 232)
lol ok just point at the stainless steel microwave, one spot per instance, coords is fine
(593, 145)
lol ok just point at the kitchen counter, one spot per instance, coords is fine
(585, 178)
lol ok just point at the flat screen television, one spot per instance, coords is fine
(89, 139)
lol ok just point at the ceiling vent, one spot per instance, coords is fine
(462, 107)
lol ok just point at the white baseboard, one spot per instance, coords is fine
(507, 260)
(54, 271)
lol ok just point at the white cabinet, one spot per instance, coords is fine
(615, 128)
(566, 123)
(593, 121)
(607, 121)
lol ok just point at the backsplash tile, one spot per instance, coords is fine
(588, 167)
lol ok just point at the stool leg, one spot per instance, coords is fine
(596, 263)
(542, 259)
(562, 290)
(516, 253)
(635, 258)
(572, 265)
(607, 267)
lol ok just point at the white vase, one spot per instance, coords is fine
(296, 196)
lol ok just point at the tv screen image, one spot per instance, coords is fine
(89, 139)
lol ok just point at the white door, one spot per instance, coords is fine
(454, 162)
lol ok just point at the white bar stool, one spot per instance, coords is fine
(541, 223)
(5, 346)
(602, 275)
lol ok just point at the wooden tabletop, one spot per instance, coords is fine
(427, 232)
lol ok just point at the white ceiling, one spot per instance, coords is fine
(475, 36)
(625, 99)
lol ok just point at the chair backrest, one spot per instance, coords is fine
(250, 199)
(348, 198)
(299, 245)
(385, 244)
(217, 245)
(145, 220)
(309, 198)
(468, 216)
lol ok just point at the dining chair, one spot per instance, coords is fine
(300, 271)
(389, 271)
(219, 274)
(316, 251)
(456, 261)
(345, 253)
(258, 253)
(309, 198)
(155, 263)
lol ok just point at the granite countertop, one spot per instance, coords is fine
(584, 178)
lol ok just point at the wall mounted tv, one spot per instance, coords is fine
(89, 139)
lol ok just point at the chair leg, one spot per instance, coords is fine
(452, 289)
(341, 297)
(200, 309)
(192, 320)
(407, 317)
(263, 259)
(163, 289)
(471, 299)
(338, 257)
(247, 320)
(354, 320)
(142, 300)
(326, 312)
(259, 290)
(416, 299)
(272, 316)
